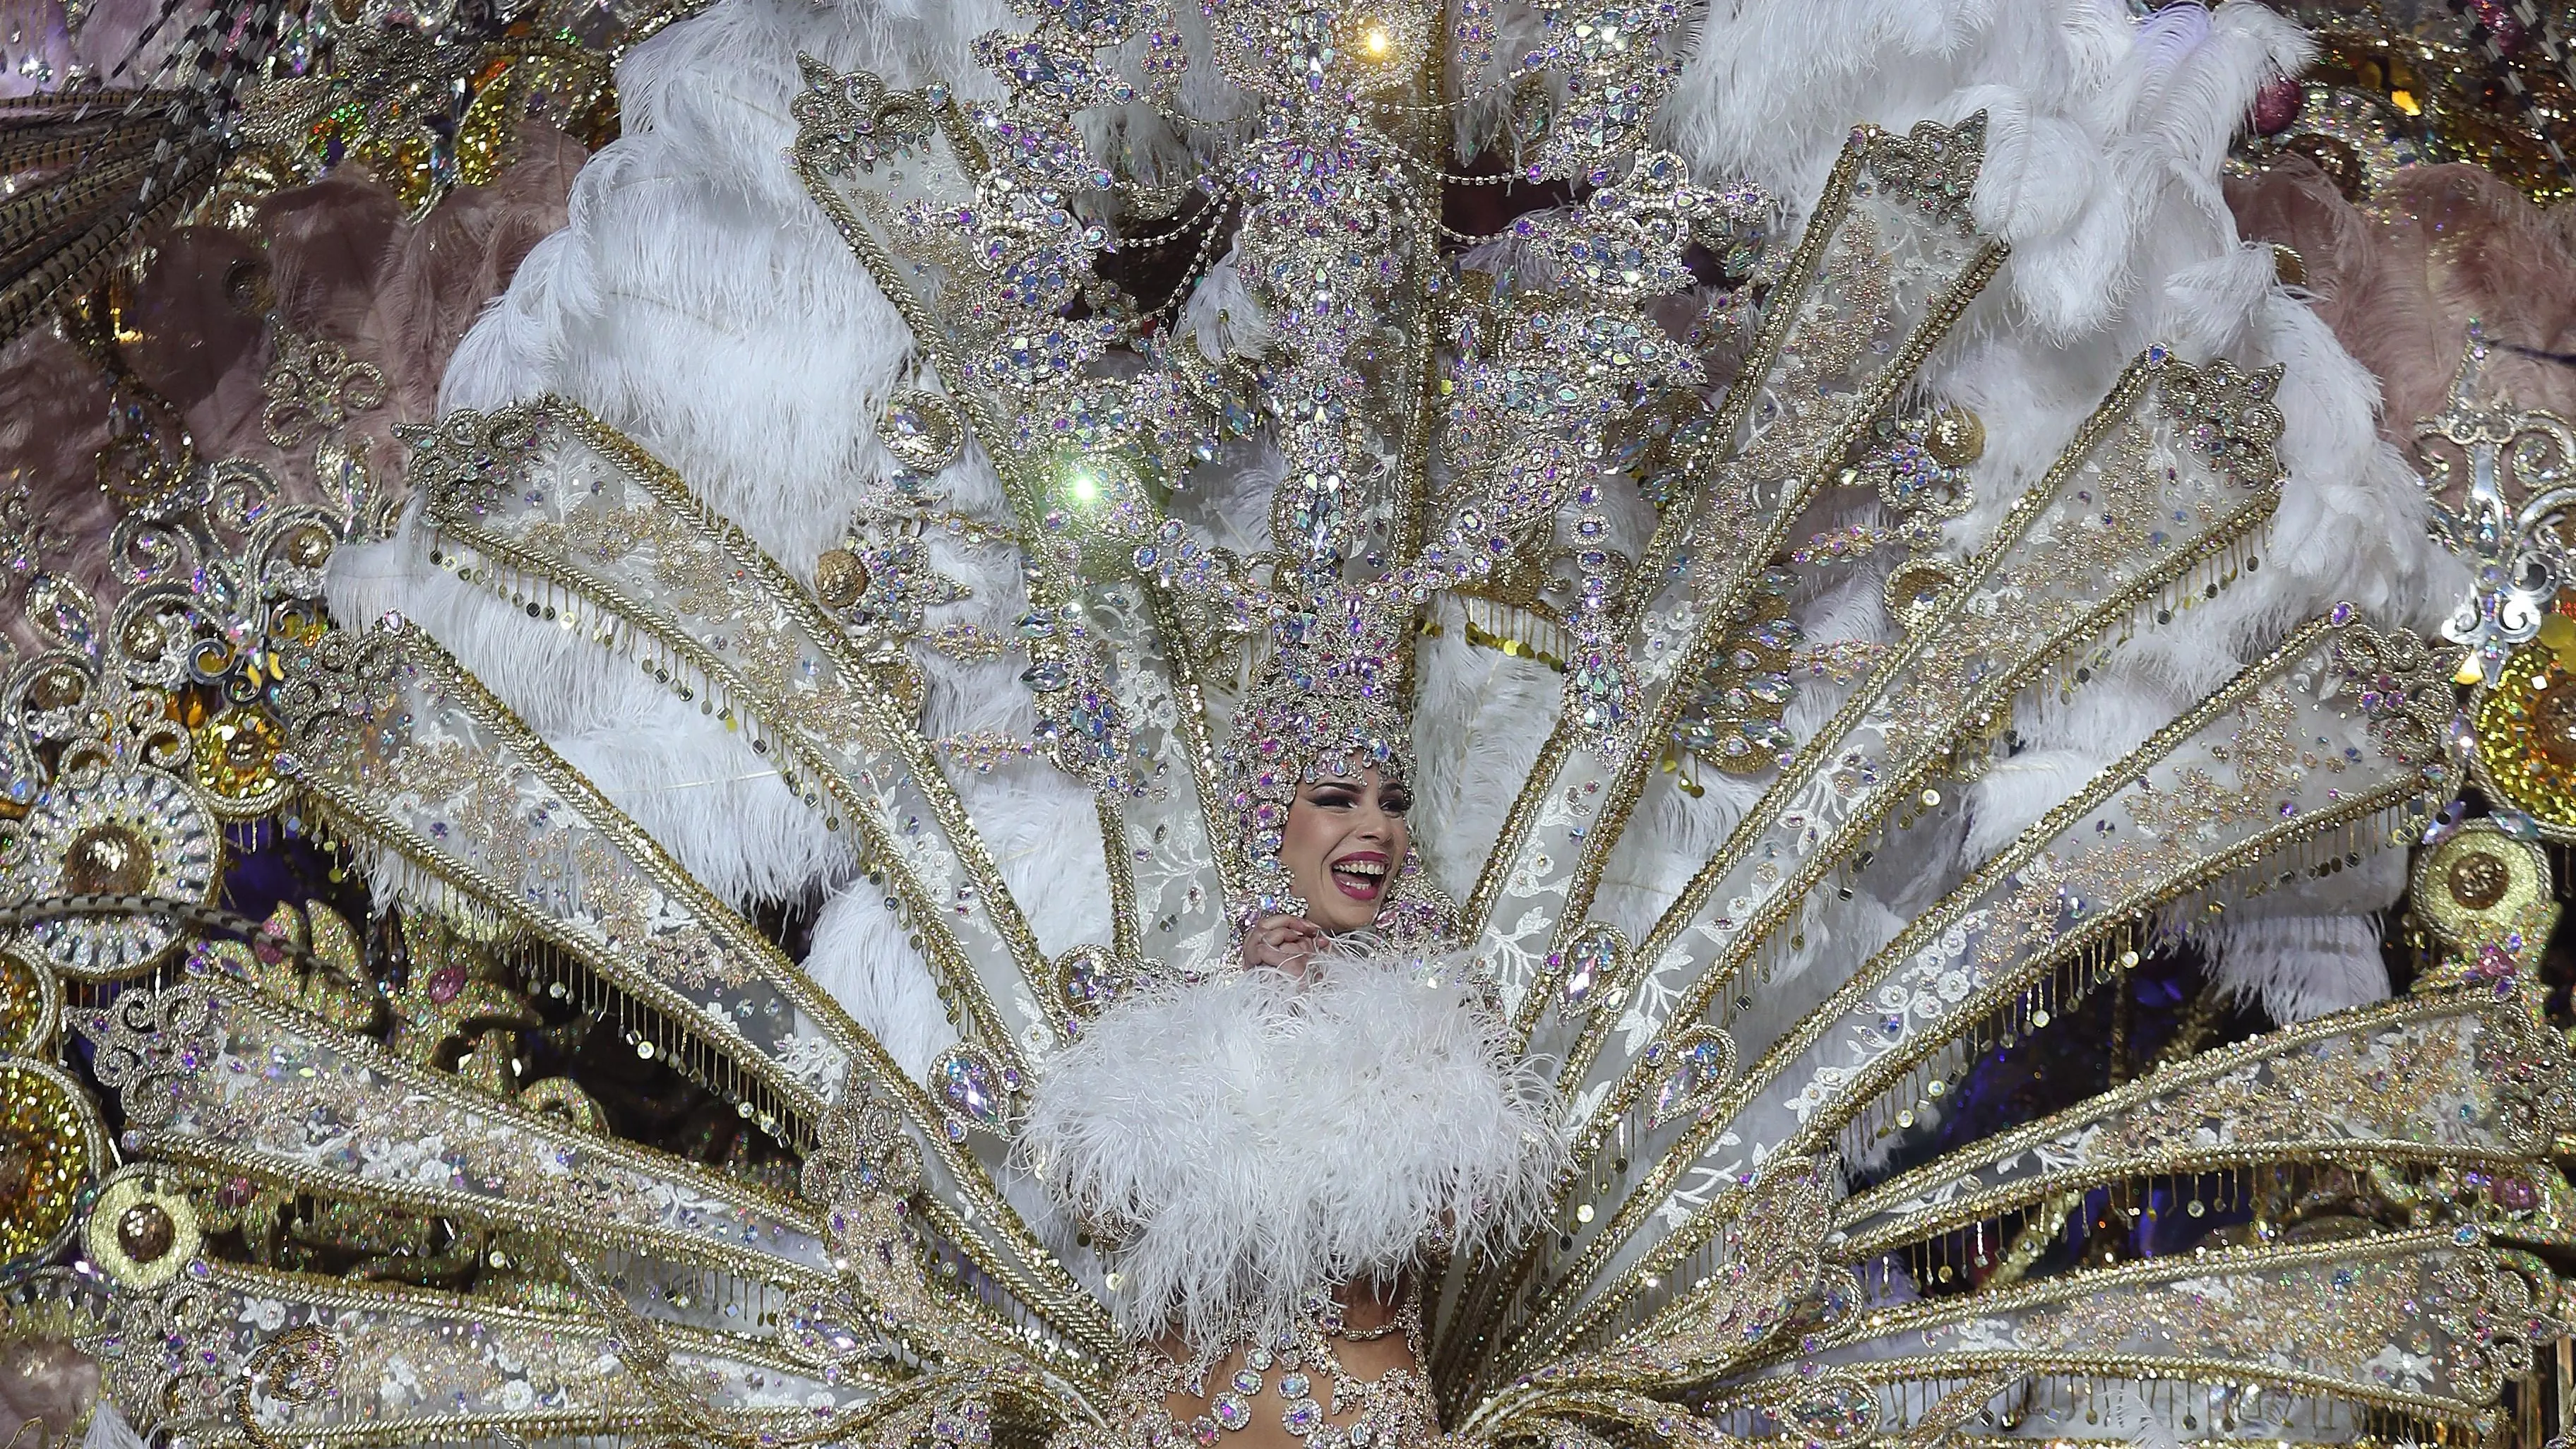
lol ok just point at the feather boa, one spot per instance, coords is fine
(1247, 1138)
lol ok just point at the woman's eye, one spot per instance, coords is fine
(1395, 804)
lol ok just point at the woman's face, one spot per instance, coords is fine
(1344, 842)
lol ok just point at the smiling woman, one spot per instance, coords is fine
(1275, 1143)
(1316, 769)
(1344, 841)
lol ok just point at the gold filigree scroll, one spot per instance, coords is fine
(2459, 1081)
(387, 1366)
(1876, 282)
(276, 1097)
(1835, 296)
(410, 753)
(2502, 481)
(628, 556)
(2368, 716)
(2112, 526)
(864, 1173)
(2311, 1317)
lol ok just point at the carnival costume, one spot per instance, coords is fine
(1858, 567)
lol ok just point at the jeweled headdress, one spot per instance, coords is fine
(1557, 372)
(1334, 269)
(1326, 706)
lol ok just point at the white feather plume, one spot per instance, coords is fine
(108, 1430)
(1248, 1137)
(2300, 967)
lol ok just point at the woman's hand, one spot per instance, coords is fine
(1284, 942)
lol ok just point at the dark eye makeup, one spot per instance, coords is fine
(1343, 797)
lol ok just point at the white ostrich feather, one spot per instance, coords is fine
(108, 1430)
(1248, 1138)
